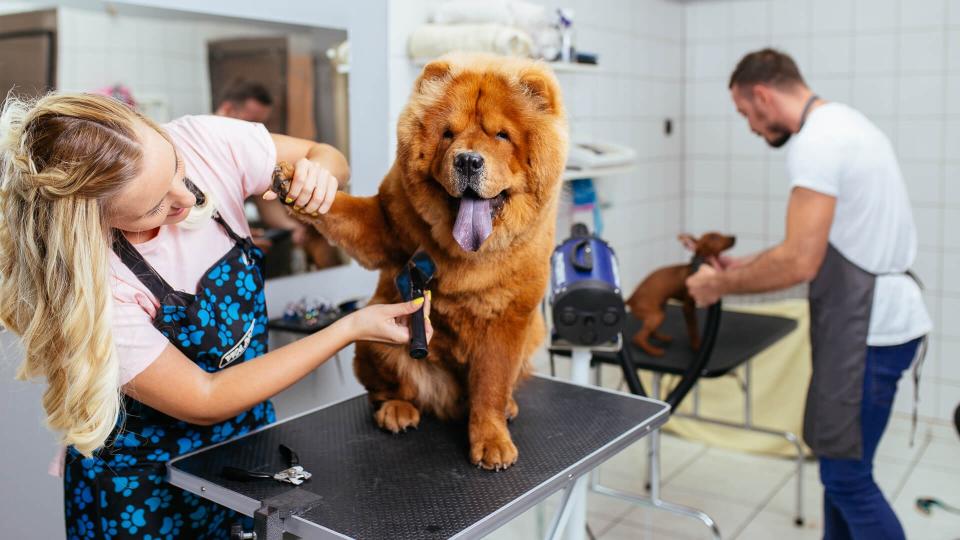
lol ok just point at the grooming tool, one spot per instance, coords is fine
(293, 474)
(412, 283)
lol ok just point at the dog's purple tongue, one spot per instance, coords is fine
(474, 222)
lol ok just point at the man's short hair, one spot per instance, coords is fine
(240, 91)
(766, 66)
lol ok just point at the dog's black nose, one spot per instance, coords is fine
(468, 163)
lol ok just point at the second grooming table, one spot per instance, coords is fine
(371, 484)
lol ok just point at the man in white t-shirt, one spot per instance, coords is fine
(850, 234)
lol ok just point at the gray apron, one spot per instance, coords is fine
(841, 299)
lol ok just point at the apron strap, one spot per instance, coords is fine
(147, 275)
(133, 260)
(917, 368)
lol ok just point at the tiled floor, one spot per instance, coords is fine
(752, 497)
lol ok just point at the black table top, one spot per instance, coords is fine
(742, 336)
(420, 484)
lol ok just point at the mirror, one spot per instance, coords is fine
(170, 64)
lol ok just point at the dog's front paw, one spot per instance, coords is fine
(512, 409)
(396, 415)
(493, 453)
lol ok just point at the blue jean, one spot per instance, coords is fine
(853, 506)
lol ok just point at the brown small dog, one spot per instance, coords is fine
(648, 301)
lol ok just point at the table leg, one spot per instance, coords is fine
(577, 526)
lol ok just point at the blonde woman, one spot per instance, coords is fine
(127, 269)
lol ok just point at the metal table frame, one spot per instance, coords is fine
(273, 522)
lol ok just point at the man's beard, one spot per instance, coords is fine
(780, 136)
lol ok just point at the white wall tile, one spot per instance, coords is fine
(950, 316)
(951, 183)
(921, 51)
(922, 13)
(921, 95)
(707, 176)
(951, 229)
(710, 98)
(789, 17)
(952, 137)
(778, 183)
(950, 360)
(705, 213)
(924, 180)
(929, 222)
(707, 20)
(776, 220)
(831, 55)
(875, 95)
(708, 138)
(743, 141)
(875, 53)
(951, 272)
(748, 177)
(833, 87)
(708, 61)
(920, 139)
(749, 18)
(953, 50)
(953, 12)
(747, 217)
(928, 266)
(876, 14)
(832, 16)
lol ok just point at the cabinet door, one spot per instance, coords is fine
(26, 63)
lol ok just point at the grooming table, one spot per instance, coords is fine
(740, 337)
(368, 483)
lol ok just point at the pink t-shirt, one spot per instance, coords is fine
(227, 158)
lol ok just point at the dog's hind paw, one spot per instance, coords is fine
(494, 453)
(396, 415)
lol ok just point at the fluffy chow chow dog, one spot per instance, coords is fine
(480, 154)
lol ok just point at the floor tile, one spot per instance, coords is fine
(932, 482)
(744, 478)
(769, 525)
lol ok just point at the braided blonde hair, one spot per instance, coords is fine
(62, 157)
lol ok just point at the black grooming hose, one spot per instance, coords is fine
(692, 374)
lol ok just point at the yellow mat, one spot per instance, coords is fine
(780, 376)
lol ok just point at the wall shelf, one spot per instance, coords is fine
(598, 172)
(558, 67)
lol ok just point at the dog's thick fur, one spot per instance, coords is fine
(670, 282)
(485, 303)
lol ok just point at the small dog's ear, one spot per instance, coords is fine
(688, 241)
(433, 72)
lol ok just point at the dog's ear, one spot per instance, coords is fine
(542, 88)
(435, 71)
(688, 241)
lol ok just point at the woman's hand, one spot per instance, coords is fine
(388, 323)
(312, 189)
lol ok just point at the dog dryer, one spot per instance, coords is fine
(586, 303)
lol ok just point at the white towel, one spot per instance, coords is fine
(473, 12)
(432, 40)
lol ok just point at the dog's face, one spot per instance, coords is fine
(710, 244)
(482, 145)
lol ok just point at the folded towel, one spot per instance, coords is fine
(473, 12)
(432, 40)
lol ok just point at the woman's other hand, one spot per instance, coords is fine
(389, 323)
(312, 189)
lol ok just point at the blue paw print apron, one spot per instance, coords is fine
(120, 492)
